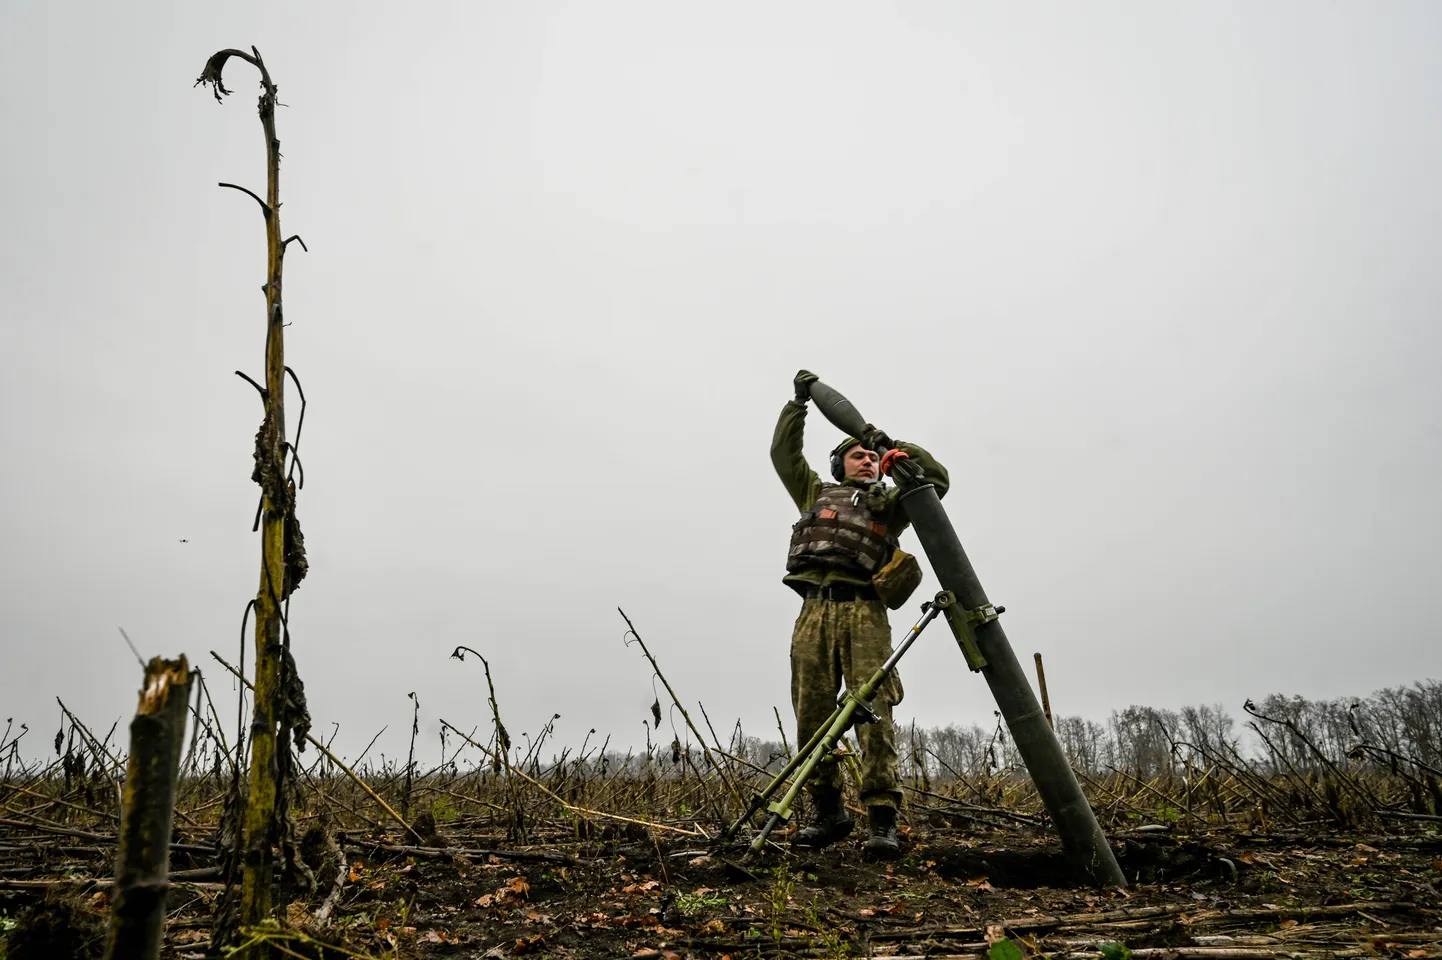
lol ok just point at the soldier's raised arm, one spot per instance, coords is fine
(932, 471)
(786, 456)
(937, 475)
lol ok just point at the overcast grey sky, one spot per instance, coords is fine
(1157, 281)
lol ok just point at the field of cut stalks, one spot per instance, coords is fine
(1310, 832)
(1291, 849)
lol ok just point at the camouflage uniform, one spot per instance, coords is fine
(844, 641)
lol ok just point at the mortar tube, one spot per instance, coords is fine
(1081, 835)
(1061, 794)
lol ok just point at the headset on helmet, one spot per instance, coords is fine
(838, 455)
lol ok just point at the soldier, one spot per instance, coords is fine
(845, 562)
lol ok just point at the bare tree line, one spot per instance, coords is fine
(1280, 734)
(1395, 726)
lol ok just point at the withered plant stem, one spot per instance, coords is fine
(261, 830)
(583, 811)
(355, 778)
(157, 737)
(705, 750)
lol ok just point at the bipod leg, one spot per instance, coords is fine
(825, 741)
(929, 610)
(853, 707)
(772, 822)
(759, 800)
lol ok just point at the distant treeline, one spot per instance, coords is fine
(1277, 735)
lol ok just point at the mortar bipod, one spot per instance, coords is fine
(853, 707)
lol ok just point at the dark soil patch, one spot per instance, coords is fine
(1023, 869)
(950, 890)
(57, 927)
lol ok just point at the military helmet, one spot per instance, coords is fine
(838, 455)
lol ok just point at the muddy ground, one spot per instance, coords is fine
(957, 891)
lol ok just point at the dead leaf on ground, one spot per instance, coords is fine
(527, 944)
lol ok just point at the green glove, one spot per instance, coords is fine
(804, 380)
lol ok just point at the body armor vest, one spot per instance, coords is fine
(840, 532)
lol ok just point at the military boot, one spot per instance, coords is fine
(829, 821)
(883, 843)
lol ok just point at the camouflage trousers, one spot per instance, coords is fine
(835, 642)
